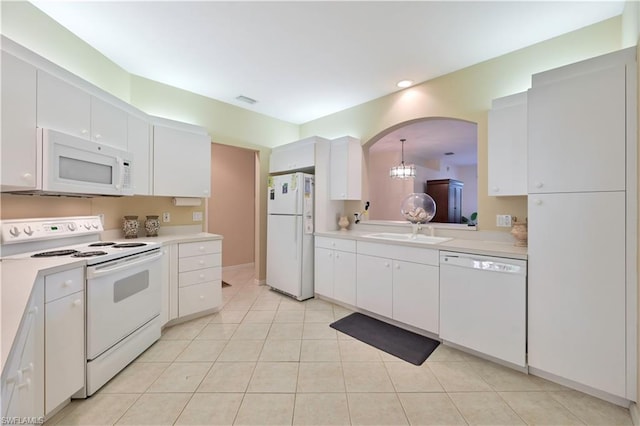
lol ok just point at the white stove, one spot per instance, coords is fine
(123, 286)
(67, 236)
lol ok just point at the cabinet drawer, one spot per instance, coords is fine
(63, 283)
(199, 247)
(199, 276)
(199, 262)
(336, 244)
(409, 254)
(200, 297)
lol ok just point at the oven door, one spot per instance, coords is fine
(122, 295)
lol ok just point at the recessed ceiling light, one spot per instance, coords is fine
(246, 99)
(404, 83)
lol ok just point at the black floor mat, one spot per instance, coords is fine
(396, 341)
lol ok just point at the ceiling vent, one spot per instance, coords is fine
(246, 99)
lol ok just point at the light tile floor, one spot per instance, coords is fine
(266, 359)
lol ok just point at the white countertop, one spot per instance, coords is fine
(18, 276)
(461, 245)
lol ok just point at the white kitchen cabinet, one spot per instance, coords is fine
(181, 162)
(18, 169)
(577, 131)
(64, 336)
(415, 295)
(507, 148)
(346, 169)
(109, 124)
(297, 155)
(335, 269)
(139, 144)
(22, 393)
(399, 282)
(577, 316)
(374, 284)
(196, 278)
(62, 106)
(582, 283)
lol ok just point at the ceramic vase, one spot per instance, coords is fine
(130, 226)
(519, 232)
(151, 226)
(343, 223)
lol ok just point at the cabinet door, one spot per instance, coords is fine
(507, 148)
(323, 271)
(64, 349)
(108, 124)
(344, 277)
(346, 169)
(18, 124)
(415, 295)
(374, 289)
(62, 106)
(139, 144)
(577, 133)
(576, 288)
(181, 163)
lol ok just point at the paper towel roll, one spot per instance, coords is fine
(187, 201)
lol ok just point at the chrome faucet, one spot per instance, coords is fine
(415, 227)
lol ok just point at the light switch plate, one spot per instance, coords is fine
(197, 216)
(503, 220)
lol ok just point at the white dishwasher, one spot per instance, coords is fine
(483, 304)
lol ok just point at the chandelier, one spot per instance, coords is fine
(403, 171)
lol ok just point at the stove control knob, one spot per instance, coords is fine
(14, 231)
(71, 227)
(95, 225)
(87, 226)
(28, 230)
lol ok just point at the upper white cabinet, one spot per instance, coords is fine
(63, 106)
(577, 130)
(293, 156)
(181, 162)
(346, 169)
(70, 109)
(108, 124)
(18, 168)
(139, 142)
(507, 162)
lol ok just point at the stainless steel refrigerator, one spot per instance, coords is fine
(290, 234)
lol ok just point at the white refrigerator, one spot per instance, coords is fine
(290, 234)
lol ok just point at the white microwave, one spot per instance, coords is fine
(71, 165)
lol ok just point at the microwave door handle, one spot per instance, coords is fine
(120, 174)
(97, 271)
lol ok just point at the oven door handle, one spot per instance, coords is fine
(98, 271)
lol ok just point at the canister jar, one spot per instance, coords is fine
(130, 226)
(151, 225)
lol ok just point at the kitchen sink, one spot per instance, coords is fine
(418, 238)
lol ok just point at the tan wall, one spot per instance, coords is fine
(232, 202)
(113, 208)
(467, 95)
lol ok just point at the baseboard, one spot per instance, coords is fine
(260, 282)
(241, 266)
(635, 414)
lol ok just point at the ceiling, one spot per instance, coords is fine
(302, 60)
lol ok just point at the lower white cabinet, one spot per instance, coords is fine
(399, 282)
(195, 277)
(64, 336)
(22, 391)
(335, 269)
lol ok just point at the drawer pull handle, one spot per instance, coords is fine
(26, 384)
(67, 283)
(201, 248)
(201, 276)
(34, 310)
(77, 302)
(201, 297)
(397, 266)
(201, 262)
(386, 264)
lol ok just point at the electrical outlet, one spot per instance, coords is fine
(166, 217)
(503, 220)
(197, 216)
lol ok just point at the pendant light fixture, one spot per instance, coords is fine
(403, 171)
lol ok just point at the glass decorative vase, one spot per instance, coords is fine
(151, 225)
(130, 226)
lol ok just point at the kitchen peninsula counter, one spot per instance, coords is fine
(472, 245)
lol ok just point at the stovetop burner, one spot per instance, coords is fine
(54, 253)
(102, 244)
(89, 253)
(127, 245)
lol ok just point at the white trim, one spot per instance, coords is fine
(260, 282)
(635, 414)
(240, 266)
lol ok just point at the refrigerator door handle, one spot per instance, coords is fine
(295, 238)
